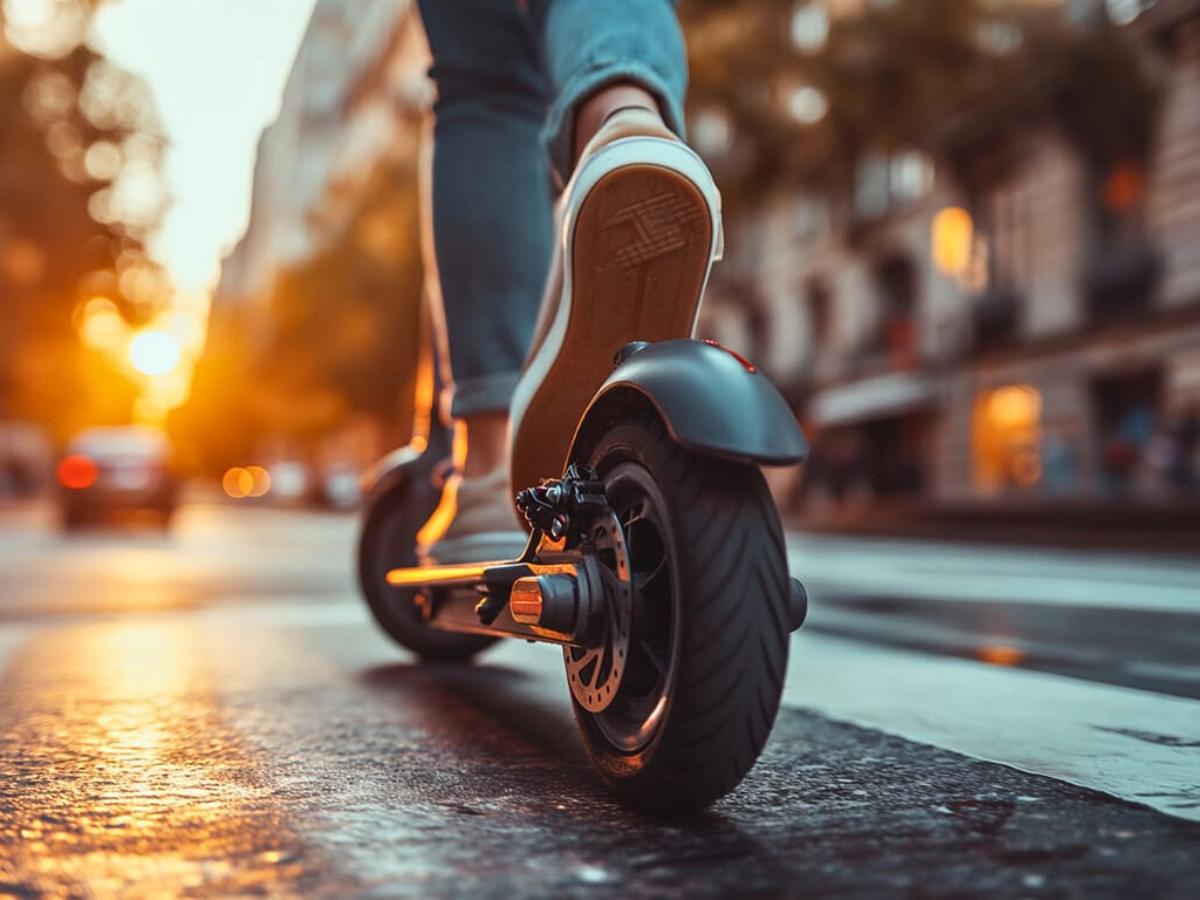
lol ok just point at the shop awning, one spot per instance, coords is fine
(881, 396)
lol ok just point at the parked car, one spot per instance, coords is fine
(116, 469)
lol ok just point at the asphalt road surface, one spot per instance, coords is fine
(211, 711)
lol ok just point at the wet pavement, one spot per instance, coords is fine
(211, 711)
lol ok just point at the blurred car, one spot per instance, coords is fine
(117, 469)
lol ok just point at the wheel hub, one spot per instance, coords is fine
(594, 673)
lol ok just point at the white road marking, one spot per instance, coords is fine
(1132, 744)
(1094, 735)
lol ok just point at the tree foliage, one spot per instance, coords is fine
(338, 338)
(345, 322)
(72, 127)
(942, 76)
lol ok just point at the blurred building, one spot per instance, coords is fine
(1036, 340)
(358, 74)
(352, 103)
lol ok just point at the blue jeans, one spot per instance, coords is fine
(510, 77)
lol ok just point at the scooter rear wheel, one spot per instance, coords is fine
(709, 634)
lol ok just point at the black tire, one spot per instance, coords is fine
(724, 649)
(387, 541)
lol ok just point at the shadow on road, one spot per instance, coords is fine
(829, 808)
(513, 702)
(516, 706)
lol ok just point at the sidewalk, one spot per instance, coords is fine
(1115, 617)
(1137, 528)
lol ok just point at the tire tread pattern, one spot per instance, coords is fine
(734, 640)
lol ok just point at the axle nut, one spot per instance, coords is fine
(547, 601)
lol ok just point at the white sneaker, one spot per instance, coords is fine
(641, 228)
(473, 522)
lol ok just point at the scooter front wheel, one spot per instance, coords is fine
(701, 667)
(388, 541)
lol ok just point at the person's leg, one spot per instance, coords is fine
(640, 213)
(491, 202)
(593, 112)
(604, 56)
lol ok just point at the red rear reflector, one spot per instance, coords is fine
(746, 364)
(76, 472)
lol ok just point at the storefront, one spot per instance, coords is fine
(872, 440)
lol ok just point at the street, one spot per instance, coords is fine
(211, 710)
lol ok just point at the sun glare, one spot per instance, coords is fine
(154, 353)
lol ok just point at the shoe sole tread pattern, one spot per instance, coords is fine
(640, 252)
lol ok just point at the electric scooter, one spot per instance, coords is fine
(655, 559)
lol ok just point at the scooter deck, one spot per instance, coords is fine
(498, 596)
(444, 576)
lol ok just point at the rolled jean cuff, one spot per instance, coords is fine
(560, 125)
(484, 394)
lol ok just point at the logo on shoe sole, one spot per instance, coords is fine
(651, 228)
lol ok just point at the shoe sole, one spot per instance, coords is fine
(638, 253)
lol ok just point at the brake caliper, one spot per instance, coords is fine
(561, 508)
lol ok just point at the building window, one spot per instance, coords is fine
(884, 182)
(896, 338)
(1006, 437)
(1122, 267)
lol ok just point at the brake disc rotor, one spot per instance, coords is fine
(594, 673)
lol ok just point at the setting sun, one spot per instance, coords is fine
(154, 353)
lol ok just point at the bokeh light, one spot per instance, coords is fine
(807, 105)
(242, 482)
(100, 325)
(1000, 655)
(261, 481)
(237, 483)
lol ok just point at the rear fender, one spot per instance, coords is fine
(711, 401)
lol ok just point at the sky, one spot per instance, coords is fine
(217, 69)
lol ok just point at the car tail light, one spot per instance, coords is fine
(76, 472)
